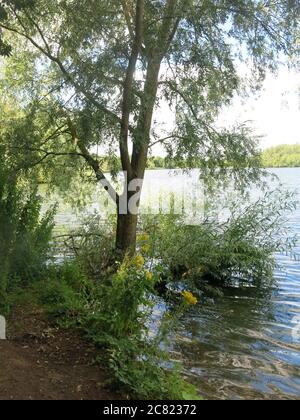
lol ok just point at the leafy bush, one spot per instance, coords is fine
(120, 323)
(115, 316)
(241, 247)
(93, 246)
(24, 234)
(65, 293)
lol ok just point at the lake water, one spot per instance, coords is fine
(246, 344)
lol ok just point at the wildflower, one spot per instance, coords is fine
(149, 276)
(189, 298)
(143, 237)
(138, 261)
(145, 248)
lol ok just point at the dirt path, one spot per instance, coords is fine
(42, 363)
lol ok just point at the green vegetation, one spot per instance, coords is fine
(285, 156)
(80, 89)
(114, 313)
(241, 247)
(157, 162)
(81, 79)
(24, 235)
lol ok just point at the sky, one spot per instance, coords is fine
(273, 113)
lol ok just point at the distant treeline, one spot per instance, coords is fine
(284, 156)
(275, 157)
(157, 162)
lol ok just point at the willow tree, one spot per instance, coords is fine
(104, 69)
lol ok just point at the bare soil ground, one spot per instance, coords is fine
(39, 362)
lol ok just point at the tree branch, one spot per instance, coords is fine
(128, 86)
(40, 32)
(182, 95)
(94, 164)
(162, 140)
(127, 15)
(167, 31)
(64, 71)
(155, 57)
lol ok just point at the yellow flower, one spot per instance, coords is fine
(189, 298)
(145, 248)
(144, 237)
(138, 261)
(149, 276)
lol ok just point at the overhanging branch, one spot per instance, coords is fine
(69, 77)
(94, 164)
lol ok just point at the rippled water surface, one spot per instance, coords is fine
(242, 346)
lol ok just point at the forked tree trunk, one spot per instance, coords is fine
(135, 167)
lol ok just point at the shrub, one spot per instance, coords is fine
(64, 292)
(61, 302)
(93, 246)
(241, 247)
(119, 322)
(24, 234)
(116, 315)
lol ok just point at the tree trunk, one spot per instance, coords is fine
(126, 233)
(135, 168)
(127, 217)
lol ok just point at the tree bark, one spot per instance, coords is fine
(126, 233)
(127, 219)
(127, 223)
